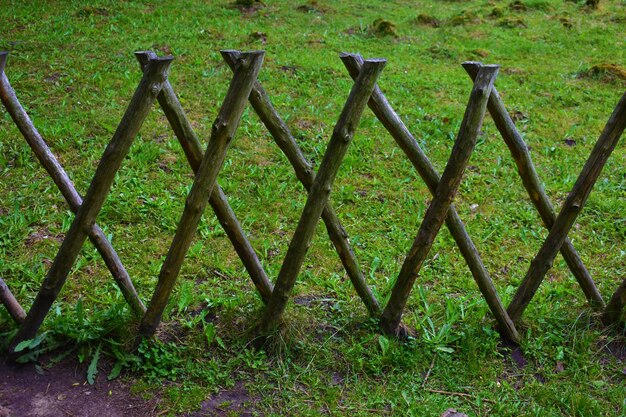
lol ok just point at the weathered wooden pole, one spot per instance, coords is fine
(320, 190)
(9, 301)
(193, 150)
(114, 154)
(615, 308)
(534, 187)
(61, 179)
(305, 174)
(571, 208)
(435, 215)
(405, 140)
(224, 128)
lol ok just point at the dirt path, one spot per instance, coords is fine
(64, 392)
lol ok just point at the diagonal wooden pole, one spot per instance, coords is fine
(390, 320)
(389, 118)
(61, 179)
(571, 208)
(193, 150)
(305, 174)
(320, 190)
(10, 303)
(224, 128)
(114, 154)
(534, 187)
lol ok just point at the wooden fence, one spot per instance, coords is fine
(244, 86)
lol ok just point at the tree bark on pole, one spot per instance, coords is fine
(193, 151)
(446, 190)
(114, 154)
(222, 134)
(10, 302)
(305, 174)
(534, 187)
(61, 179)
(405, 140)
(571, 208)
(320, 190)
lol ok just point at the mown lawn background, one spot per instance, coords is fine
(72, 67)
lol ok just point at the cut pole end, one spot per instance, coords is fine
(471, 64)
(348, 58)
(167, 58)
(233, 57)
(230, 52)
(230, 56)
(378, 61)
(235, 52)
(344, 55)
(144, 56)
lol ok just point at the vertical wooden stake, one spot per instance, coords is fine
(116, 151)
(304, 172)
(436, 213)
(61, 179)
(394, 125)
(571, 208)
(320, 190)
(193, 150)
(534, 187)
(222, 134)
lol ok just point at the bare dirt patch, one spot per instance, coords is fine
(63, 391)
(234, 401)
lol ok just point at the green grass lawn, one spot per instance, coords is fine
(73, 69)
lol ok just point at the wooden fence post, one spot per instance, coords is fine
(433, 219)
(305, 174)
(61, 179)
(571, 208)
(389, 118)
(536, 192)
(116, 151)
(320, 190)
(193, 151)
(222, 134)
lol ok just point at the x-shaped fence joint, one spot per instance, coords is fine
(222, 133)
(435, 214)
(406, 142)
(193, 151)
(304, 172)
(572, 206)
(114, 154)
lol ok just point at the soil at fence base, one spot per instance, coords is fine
(63, 391)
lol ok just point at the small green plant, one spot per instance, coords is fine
(440, 338)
